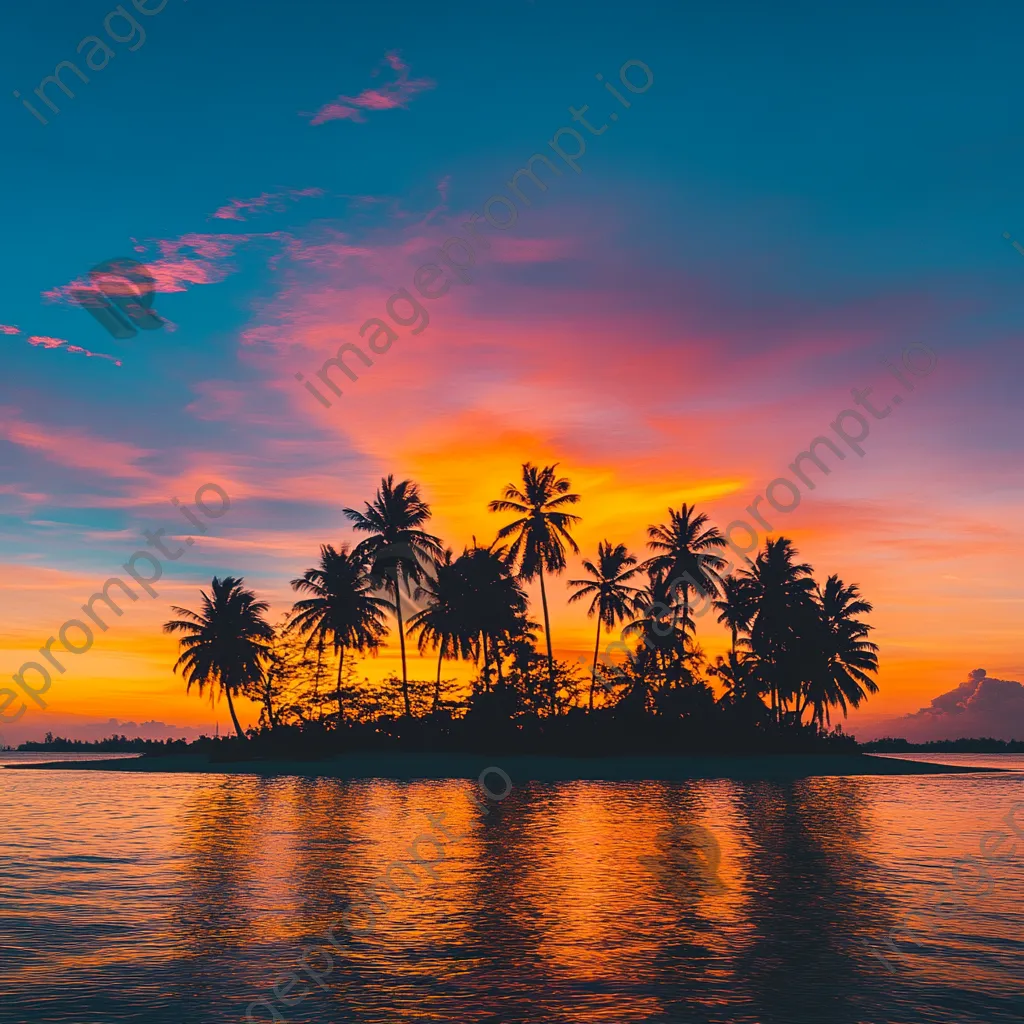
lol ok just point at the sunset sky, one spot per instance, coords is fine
(800, 194)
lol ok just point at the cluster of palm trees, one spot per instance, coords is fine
(794, 645)
(797, 643)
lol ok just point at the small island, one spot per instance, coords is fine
(650, 706)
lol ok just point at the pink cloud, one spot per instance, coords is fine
(74, 447)
(174, 275)
(330, 253)
(507, 249)
(191, 259)
(275, 200)
(95, 355)
(333, 283)
(6, 329)
(212, 247)
(388, 97)
(43, 341)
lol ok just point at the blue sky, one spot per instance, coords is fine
(803, 190)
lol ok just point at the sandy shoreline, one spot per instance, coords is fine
(528, 768)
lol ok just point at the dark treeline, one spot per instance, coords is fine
(984, 745)
(111, 745)
(799, 650)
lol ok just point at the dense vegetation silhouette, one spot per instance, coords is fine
(799, 650)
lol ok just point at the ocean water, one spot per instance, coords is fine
(1004, 762)
(186, 898)
(42, 757)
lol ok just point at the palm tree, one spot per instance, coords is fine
(843, 655)
(735, 607)
(541, 533)
(612, 601)
(441, 623)
(225, 643)
(496, 602)
(781, 591)
(737, 676)
(474, 605)
(663, 621)
(342, 607)
(396, 547)
(686, 555)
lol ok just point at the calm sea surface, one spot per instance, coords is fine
(184, 898)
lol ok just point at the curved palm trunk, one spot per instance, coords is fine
(593, 674)
(437, 685)
(234, 717)
(547, 637)
(401, 641)
(341, 710)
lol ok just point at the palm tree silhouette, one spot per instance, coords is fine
(662, 620)
(735, 607)
(781, 591)
(686, 549)
(474, 605)
(739, 677)
(342, 607)
(612, 601)
(804, 645)
(540, 534)
(441, 623)
(496, 606)
(844, 656)
(397, 547)
(224, 644)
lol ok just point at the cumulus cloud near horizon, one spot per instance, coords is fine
(979, 707)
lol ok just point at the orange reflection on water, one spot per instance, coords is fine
(131, 896)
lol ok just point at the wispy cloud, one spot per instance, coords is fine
(75, 447)
(237, 209)
(388, 97)
(191, 259)
(44, 341)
